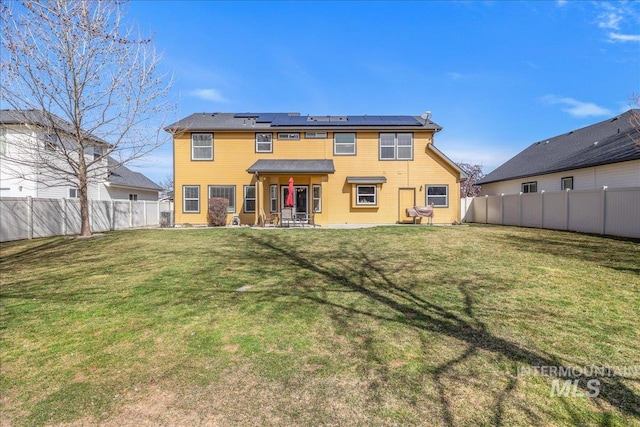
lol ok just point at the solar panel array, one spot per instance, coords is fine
(288, 119)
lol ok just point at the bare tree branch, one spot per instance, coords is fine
(88, 79)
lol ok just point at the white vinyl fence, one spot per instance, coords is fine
(612, 211)
(27, 218)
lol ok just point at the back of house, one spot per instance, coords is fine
(344, 169)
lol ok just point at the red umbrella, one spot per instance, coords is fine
(290, 195)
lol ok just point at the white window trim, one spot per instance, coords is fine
(273, 198)
(316, 135)
(201, 146)
(446, 196)
(314, 198)
(529, 184)
(231, 208)
(244, 204)
(263, 142)
(3, 141)
(395, 146)
(74, 191)
(375, 195)
(133, 197)
(185, 199)
(562, 186)
(290, 136)
(355, 139)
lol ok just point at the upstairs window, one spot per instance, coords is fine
(396, 146)
(201, 146)
(73, 193)
(97, 152)
(51, 141)
(3, 141)
(291, 135)
(438, 195)
(566, 183)
(133, 197)
(344, 144)
(315, 135)
(264, 143)
(530, 187)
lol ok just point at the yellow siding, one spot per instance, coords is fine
(234, 153)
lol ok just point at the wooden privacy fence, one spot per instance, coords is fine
(27, 218)
(611, 211)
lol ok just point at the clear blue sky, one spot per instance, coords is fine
(496, 75)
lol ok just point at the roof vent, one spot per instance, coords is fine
(614, 119)
(595, 143)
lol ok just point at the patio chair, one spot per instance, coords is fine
(272, 219)
(311, 218)
(288, 215)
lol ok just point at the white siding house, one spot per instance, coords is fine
(23, 138)
(606, 154)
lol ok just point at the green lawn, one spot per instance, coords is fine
(382, 326)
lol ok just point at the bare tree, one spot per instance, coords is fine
(469, 187)
(91, 82)
(166, 182)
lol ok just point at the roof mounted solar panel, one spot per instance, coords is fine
(345, 121)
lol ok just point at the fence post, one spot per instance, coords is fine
(604, 209)
(486, 209)
(502, 209)
(29, 217)
(566, 209)
(112, 216)
(144, 208)
(64, 217)
(542, 209)
(130, 213)
(520, 210)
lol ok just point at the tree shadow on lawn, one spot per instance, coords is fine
(408, 308)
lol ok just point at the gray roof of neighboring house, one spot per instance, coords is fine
(288, 121)
(292, 166)
(611, 141)
(41, 119)
(124, 177)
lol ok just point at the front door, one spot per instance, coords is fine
(300, 198)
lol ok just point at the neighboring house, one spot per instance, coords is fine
(25, 135)
(603, 154)
(346, 169)
(123, 183)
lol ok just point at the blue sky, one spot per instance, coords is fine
(497, 75)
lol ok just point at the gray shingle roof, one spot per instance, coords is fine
(43, 120)
(199, 122)
(122, 176)
(610, 141)
(292, 166)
